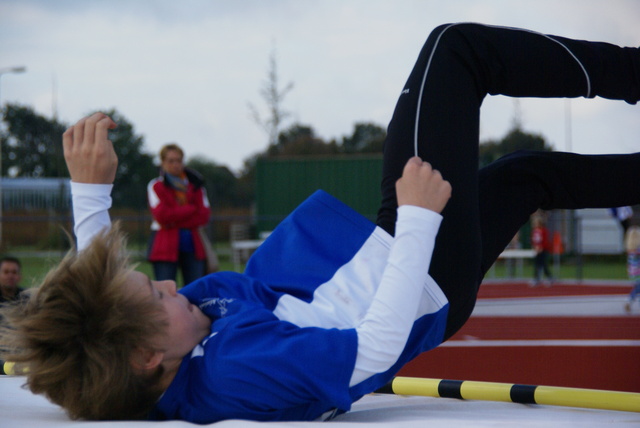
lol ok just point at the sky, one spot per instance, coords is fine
(186, 71)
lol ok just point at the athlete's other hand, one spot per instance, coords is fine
(422, 186)
(88, 151)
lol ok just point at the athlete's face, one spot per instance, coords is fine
(188, 325)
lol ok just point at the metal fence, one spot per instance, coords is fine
(35, 194)
(42, 231)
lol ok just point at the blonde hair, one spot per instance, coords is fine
(75, 336)
(632, 239)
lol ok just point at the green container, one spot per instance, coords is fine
(283, 183)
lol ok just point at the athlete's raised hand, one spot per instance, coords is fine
(88, 151)
(422, 186)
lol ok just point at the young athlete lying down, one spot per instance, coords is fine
(331, 306)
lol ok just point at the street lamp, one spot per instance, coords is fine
(6, 70)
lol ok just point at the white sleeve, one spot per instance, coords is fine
(91, 203)
(385, 328)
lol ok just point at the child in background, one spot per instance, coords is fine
(632, 245)
(542, 245)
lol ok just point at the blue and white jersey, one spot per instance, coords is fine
(283, 342)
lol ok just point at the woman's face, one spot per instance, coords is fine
(172, 163)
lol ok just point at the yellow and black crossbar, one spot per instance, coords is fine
(7, 368)
(526, 394)
(493, 391)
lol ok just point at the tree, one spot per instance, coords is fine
(300, 140)
(516, 139)
(221, 184)
(366, 138)
(31, 144)
(273, 97)
(32, 147)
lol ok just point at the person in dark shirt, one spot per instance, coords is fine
(10, 276)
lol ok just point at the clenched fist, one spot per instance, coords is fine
(422, 186)
(88, 151)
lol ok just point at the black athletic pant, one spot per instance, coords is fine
(437, 118)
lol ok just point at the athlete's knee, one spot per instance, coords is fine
(457, 36)
(460, 44)
(530, 170)
(445, 37)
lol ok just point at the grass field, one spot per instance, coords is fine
(35, 267)
(592, 267)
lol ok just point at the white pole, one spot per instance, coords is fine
(5, 71)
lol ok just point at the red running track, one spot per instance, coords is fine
(599, 352)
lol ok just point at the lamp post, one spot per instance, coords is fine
(6, 70)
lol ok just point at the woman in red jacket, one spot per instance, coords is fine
(179, 206)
